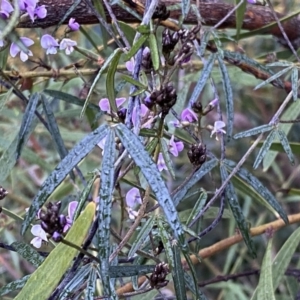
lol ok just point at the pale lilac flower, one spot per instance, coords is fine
(5, 8)
(71, 211)
(131, 213)
(175, 124)
(105, 106)
(143, 111)
(23, 4)
(133, 197)
(251, 1)
(14, 49)
(49, 43)
(131, 63)
(161, 165)
(40, 12)
(175, 147)
(189, 115)
(214, 102)
(1, 41)
(73, 25)
(67, 44)
(40, 236)
(218, 129)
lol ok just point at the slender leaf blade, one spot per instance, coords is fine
(154, 51)
(286, 145)
(254, 131)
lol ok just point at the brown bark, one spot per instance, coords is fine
(212, 13)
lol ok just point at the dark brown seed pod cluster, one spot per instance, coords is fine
(165, 98)
(147, 61)
(197, 154)
(122, 114)
(161, 12)
(197, 107)
(3, 193)
(52, 221)
(169, 41)
(158, 277)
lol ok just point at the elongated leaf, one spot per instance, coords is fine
(186, 4)
(28, 123)
(99, 74)
(91, 285)
(286, 145)
(265, 285)
(197, 207)
(282, 260)
(204, 169)
(110, 80)
(42, 282)
(142, 235)
(239, 13)
(128, 271)
(80, 150)
(238, 213)
(142, 159)
(291, 113)
(260, 188)
(254, 131)
(273, 77)
(136, 46)
(105, 203)
(132, 81)
(277, 146)
(167, 157)
(154, 51)
(228, 97)
(203, 79)
(14, 285)
(265, 148)
(28, 253)
(178, 275)
(294, 78)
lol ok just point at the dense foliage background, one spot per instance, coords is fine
(198, 190)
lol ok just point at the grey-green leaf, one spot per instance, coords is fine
(254, 131)
(286, 145)
(294, 78)
(14, 285)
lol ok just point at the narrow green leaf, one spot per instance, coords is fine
(149, 169)
(42, 282)
(91, 285)
(294, 79)
(204, 169)
(110, 80)
(197, 207)
(228, 96)
(28, 253)
(80, 150)
(239, 14)
(178, 275)
(203, 78)
(265, 148)
(273, 77)
(265, 284)
(133, 82)
(167, 157)
(97, 78)
(142, 235)
(238, 213)
(143, 29)
(277, 146)
(280, 64)
(254, 131)
(286, 145)
(136, 46)
(128, 31)
(128, 271)
(105, 203)
(154, 51)
(260, 188)
(186, 4)
(28, 123)
(14, 285)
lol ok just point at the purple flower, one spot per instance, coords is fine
(161, 165)
(14, 49)
(71, 211)
(214, 102)
(105, 106)
(30, 6)
(188, 115)
(175, 147)
(133, 197)
(40, 236)
(49, 43)
(41, 12)
(27, 3)
(73, 25)
(1, 41)
(67, 44)
(251, 1)
(175, 124)
(218, 129)
(130, 64)
(5, 8)
(143, 111)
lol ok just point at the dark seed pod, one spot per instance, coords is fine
(197, 107)
(158, 277)
(3, 193)
(122, 114)
(57, 237)
(45, 226)
(161, 12)
(197, 154)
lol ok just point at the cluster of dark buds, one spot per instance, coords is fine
(147, 63)
(3, 193)
(158, 277)
(165, 97)
(52, 222)
(169, 41)
(161, 12)
(197, 154)
(122, 114)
